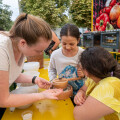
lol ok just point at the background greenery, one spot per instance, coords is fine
(55, 12)
(59, 12)
(5, 16)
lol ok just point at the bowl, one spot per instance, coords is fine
(24, 107)
(60, 83)
(68, 92)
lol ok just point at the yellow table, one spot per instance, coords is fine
(45, 109)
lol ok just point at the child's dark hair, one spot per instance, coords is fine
(99, 62)
(70, 30)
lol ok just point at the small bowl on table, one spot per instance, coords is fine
(60, 83)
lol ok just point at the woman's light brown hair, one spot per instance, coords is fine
(30, 28)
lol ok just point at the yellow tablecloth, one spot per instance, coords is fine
(45, 110)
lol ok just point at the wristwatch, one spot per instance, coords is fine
(33, 79)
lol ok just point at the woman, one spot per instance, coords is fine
(99, 98)
(29, 36)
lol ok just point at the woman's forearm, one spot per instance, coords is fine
(24, 78)
(15, 100)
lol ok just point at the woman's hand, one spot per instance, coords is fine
(51, 93)
(42, 83)
(80, 98)
(80, 72)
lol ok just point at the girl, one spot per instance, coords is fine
(29, 36)
(64, 60)
(99, 98)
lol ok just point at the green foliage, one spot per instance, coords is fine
(80, 11)
(5, 15)
(52, 11)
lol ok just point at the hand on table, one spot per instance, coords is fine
(80, 98)
(42, 83)
(51, 93)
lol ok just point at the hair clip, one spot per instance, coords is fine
(24, 18)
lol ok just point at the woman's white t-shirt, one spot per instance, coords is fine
(7, 59)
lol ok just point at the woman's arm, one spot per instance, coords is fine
(56, 40)
(14, 100)
(92, 109)
(42, 83)
(23, 78)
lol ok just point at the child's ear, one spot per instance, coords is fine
(78, 40)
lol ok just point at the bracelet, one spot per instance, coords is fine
(33, 79)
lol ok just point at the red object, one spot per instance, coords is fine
(118, 3)
(114, 13)
(101, 22)
(118, 22)
(113, 2)
(106, 10)
(110, 3)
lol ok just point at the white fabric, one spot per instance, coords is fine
(58, 62)
(7, 59)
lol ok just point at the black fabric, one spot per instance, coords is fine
(2, 110)
(72, 99)
(49, 47)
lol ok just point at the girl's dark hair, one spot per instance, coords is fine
(99, 62)
(70, 30)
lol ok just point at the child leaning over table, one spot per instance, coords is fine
(63, 61)
(99, 98)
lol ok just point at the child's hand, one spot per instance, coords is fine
(80, 98)
(80, 73)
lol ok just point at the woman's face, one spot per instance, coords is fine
(35, 49)
(69, 43)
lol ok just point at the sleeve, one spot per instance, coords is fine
(87, 82)
(106, 93)
(51, 69)
(4, 60)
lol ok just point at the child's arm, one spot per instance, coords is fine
(80, 97)
(52, 72)
(83, 88)
(80, 72)
(92, 109)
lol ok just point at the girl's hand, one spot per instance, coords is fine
(80, 73)
(80, 98)
(51, 93)
(42, 83)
